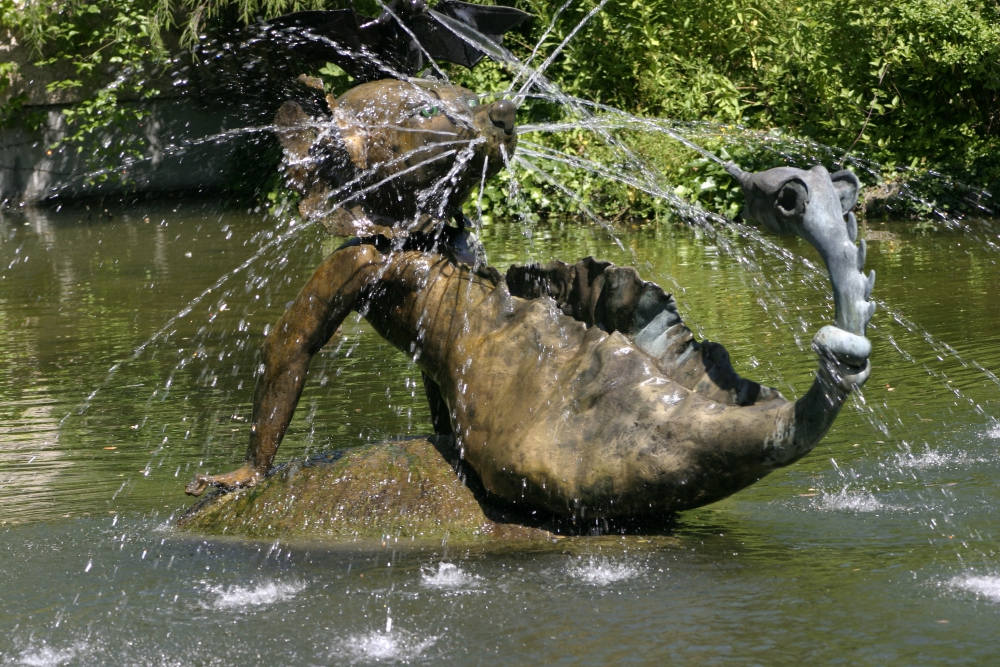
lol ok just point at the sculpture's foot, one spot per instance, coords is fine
(245, 476)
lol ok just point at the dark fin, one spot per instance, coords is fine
(370, 49)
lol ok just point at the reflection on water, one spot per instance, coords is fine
(895, 508)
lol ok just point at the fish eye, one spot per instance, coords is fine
(473, 102)
(430, 112)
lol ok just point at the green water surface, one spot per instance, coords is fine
(879, 548)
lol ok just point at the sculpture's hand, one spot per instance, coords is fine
(843, 357)
(242, 477)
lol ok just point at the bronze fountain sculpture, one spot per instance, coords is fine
(570, 389)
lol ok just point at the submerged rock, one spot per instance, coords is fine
(403, 490)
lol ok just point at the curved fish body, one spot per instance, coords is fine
(589, 397)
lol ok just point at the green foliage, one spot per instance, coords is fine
(335, 80)
(922, 73)
(110, 54)
(909, 83)
(12, 112)
(200, 15)
(106, 50)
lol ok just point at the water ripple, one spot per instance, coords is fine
(604, 571)
(269, 592)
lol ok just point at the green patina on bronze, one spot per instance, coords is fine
(404, 491)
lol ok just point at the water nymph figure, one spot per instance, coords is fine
(577, 389)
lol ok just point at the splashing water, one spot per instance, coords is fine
(604, 571)
(46, 656)
(384, 645)
(851, 500)
(982, 586)
(259, 595)
(447, 576)
(933, 458)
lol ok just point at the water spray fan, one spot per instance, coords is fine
(396, 44)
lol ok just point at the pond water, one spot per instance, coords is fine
(876, 549)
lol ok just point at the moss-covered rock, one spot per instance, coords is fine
(402, 490)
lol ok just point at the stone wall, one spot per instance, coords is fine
(190, 147)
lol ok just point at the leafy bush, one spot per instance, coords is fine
(911, 84)
(907, 83)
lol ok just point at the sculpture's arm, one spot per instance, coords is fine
(332, 292)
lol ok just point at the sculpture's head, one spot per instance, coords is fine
(394, 151)
(817, 205)
(782, 199)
